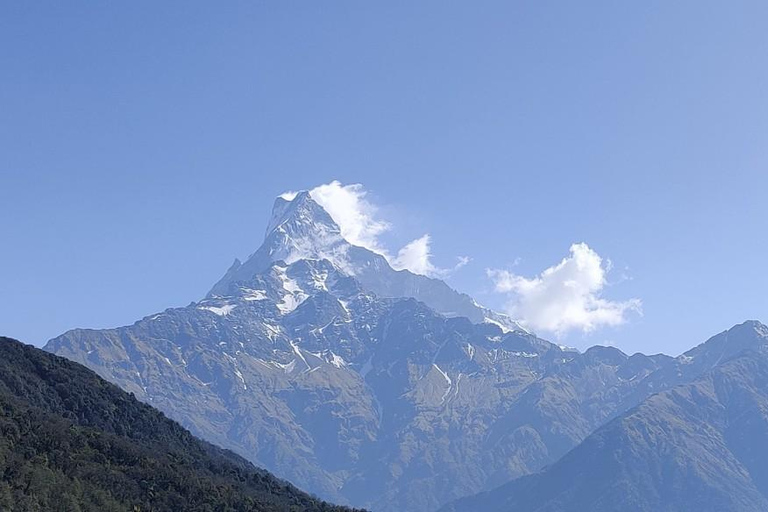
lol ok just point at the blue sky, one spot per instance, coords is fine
(141, 147)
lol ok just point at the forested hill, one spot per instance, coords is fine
(70, 441)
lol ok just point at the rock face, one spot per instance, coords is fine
(695, 447)
(365, 385)
(71, 441)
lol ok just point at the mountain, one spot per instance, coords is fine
(301, 229)
(365, 385)
(699, 447)
(69, 441)
(706, 356)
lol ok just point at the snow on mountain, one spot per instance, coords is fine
(300, 229)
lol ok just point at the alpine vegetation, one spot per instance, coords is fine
(71, 441)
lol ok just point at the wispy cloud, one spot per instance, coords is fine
(416, 256)
(357, 217)
(566, 296)
(361, 224)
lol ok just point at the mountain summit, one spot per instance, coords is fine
(298, 229)
(301, 229)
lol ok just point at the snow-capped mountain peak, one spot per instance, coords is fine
(299, 215)
(298, 229)
(301, 229)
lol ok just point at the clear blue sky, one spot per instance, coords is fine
(142, 144)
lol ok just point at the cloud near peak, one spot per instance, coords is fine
(566, 296)
(361, 224)
(356, 216)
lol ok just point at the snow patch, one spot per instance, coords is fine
(272, 331)
(240, 376)
(500, 325)
(499, 354)
(448, 380)
(294, 296)
(220, 310)
(445, 375)
(297, 351)
(319, 280)
(337, 360)
(252, 295)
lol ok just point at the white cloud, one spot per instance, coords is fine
(288, 195)
(355, 215)
(566, 296)
(360, 224)
(416, 256)
(462, 261)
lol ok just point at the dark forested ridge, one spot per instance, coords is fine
(70, 441)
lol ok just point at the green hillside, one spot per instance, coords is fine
(70, 441)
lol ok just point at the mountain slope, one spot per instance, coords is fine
(698, 447)
(388, 402)
(381, 403)
(71, 441)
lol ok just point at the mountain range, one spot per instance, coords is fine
(700, 446)
(369, 386)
